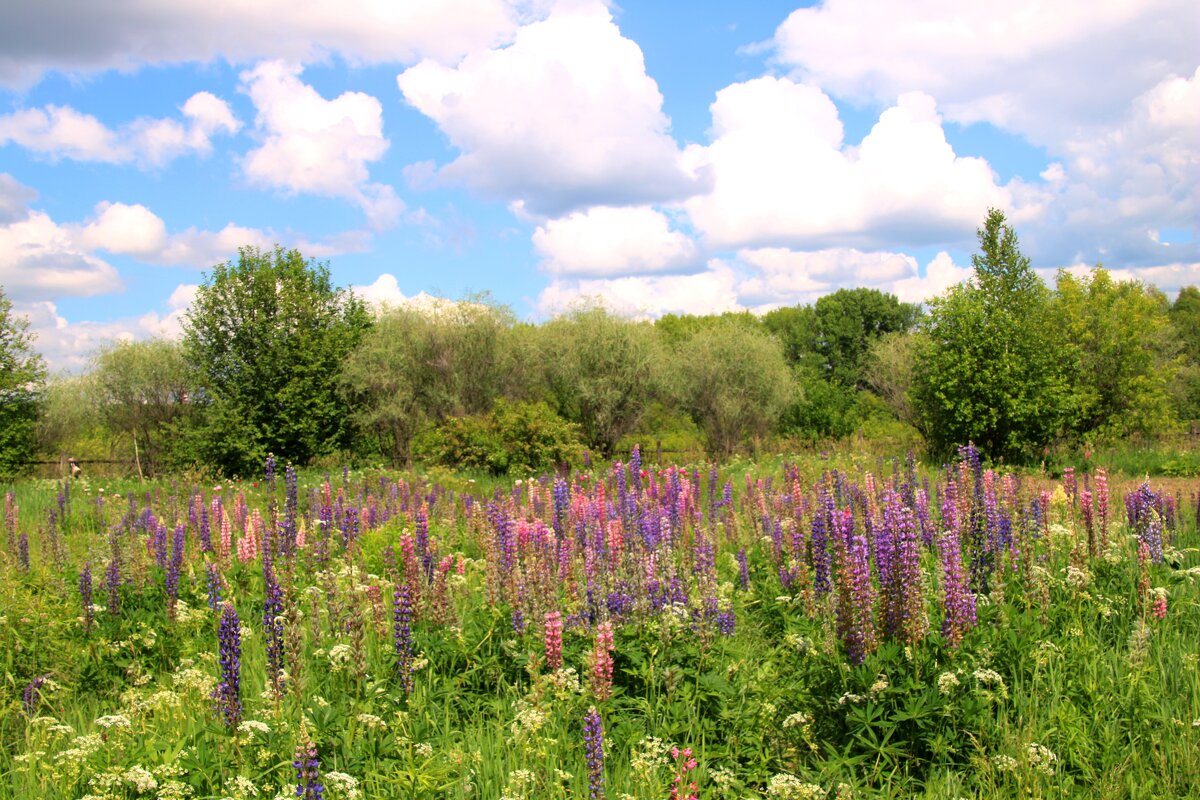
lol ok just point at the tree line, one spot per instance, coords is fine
(274, 358)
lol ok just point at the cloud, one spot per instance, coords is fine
(608, 242)
(940, 274)
(315, 145)
(564, 117)
(712, 291)
(783, 175)
(1043, 70)
(15, 198)
(789, 277)
(68, 346)
(385, 292)
(40, 258)
(58, 132)
(127, 34)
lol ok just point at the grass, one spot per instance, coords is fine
(1069, 685)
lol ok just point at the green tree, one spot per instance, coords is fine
(1119, 338)
(267, 335)
(734, 381)
(600, 371)
(142, 391)
(992, 370)
(22, 377)
(1185, 320)
(422, 366)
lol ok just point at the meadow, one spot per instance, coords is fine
(845, 627)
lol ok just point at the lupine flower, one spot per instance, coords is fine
(552, 633)
(85, 597)
(402, 614)
(743, 570)
(858, 627)
(308, 768)
(227, 695)
(960, 603)
(173, 568)
(214, 586)
(681, 787)
(23, 550)
(593, 746)
(602, 662)
(273, 625)
(32, 696)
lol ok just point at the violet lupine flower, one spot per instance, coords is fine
(858, 628)
(308, 770)
(727, 621)
(960, 603)
(402, 615)
(214, 586)
(31, 698)
(273, 625)
(905, 594)
(173, 568)
(23, 550)
(85, 597)
(552, 633)
(820, 548)
(593, 746)
(205, 532)
(227, 695)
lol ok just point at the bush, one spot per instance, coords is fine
(515, 438)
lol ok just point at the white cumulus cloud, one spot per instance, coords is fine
(58, 132)
(784, 176)
(712, 291)
(314, 145)
(564, 117)
(606, 242)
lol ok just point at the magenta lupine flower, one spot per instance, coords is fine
(1085, 503)
(593, 746)
(227, 695)
(552, 633)
(602, 662)
(904, 601)
(1102, 506)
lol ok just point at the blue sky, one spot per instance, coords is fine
(660, 157)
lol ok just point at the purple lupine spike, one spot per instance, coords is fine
(112, 577)
(820, 549)
(31, 697)
(85, 597)
(23, 550)
(858, 629)
(402, 614)
(905, 612)
(593, 745)
(960, 603)
(273, 625)
(214, 585)
(743, 570)
(204, 534)
(227, 696)
(173, 568)
(308, 770)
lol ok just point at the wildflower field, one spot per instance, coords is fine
(815, 629)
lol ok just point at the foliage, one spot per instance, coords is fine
(735, 383)
(1118, 340)
(820, 408)
(888, 371)
(142, 390)
(599, 371)
(834, 335)
(267, 335)
(987, 372)
(22, 376)
(514, 438)
(419, 366)
(1185, 322)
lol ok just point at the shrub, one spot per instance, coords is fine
(515, 438)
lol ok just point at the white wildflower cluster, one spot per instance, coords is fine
(140, 778)
(190, 679)
(371, 721)
(174, 790)
(1041, 759)
(84, 747)
(647, 757)
(1004, 763)
(1078, 578)
(991, 683)
(340, 655)
(519, 783)
(563, 683)
(799, 719)
(117, 721)
(253, 726)
(947, 682)
(528, 721)
(243, 789)
(344, 786)
(423, 750)
(789, 787)
(801, 644)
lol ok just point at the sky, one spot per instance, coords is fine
(658, 157)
